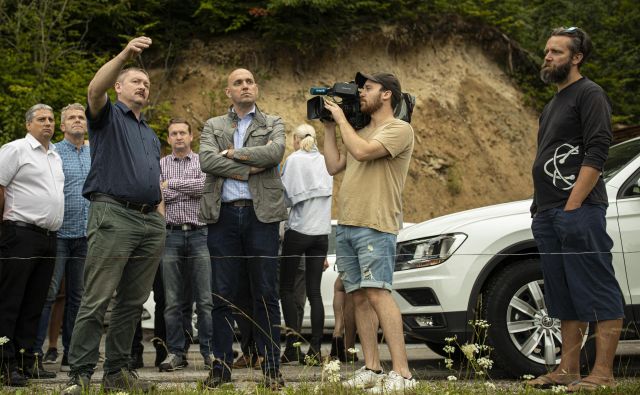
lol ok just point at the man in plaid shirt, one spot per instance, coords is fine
(186, 256)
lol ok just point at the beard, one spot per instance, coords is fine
(555, 74)
(371, 108)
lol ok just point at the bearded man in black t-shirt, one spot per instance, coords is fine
(569, 208)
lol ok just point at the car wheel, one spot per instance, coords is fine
(524, 338)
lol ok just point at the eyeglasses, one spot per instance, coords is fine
(570, 30)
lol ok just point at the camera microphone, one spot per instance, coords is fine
(319, 91)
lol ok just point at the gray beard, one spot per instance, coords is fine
(555, 75)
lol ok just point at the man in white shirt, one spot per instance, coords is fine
(32, 204)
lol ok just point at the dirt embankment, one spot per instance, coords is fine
(475, 137)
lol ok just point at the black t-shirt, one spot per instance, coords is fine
(574, 131)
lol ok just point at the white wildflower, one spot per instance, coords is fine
(528, 377)
(121, 393)
(352, 350)
(297, 344)
(449, 349)
(452, 378)
(479, 373)
(4, 340)
(469, 350)
(316, 389)
(448, 362)
(450, 339)
(332, 370)
(485, 363)
(489, 385)
(558, 389)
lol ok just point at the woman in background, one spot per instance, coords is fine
(308, 192)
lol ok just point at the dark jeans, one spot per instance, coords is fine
(315, 250)
(186, 263)
(124, 250)
(27, 259)
(70, 257)
(575, 252)
(240, 244)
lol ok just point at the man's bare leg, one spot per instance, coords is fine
(607, 336)
(569, 368)
(391, 321)
(367, 325)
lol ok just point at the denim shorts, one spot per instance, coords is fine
(365, 257)
(575, 252)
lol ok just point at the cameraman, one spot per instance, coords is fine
(376, 161)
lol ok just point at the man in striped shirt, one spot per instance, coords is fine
(186, 256)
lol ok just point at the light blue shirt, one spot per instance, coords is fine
(75, 164)
(236, 189)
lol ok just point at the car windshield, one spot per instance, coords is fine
(619, 156)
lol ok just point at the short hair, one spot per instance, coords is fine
(174, 121)
(28, 116)
(73, 106)
(307, 135)
(126, 71)
(580, 41)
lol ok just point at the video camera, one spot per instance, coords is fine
(349, 103)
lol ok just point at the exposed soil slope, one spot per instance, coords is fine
(475, 137)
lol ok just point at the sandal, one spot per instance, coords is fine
(590, 386)
(545, 382)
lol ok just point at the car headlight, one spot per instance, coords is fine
(427, 252)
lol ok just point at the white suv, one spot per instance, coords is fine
(483, 263)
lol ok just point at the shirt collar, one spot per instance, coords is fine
(190, 156)
(70, 145)
(251, 113)
(34, 143)
(123, 107)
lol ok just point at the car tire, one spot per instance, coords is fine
(524, 338)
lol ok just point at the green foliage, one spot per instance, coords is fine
(50, 49)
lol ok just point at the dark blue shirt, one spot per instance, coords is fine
(125, 156)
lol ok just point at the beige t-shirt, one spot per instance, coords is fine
(371, 191)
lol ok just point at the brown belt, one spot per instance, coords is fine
(239, 203)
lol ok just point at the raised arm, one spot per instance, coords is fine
(335, 160)
(106, 76)
(359, 148)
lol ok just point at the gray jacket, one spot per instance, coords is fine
(266, 187)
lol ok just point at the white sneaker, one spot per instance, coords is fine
(393, 383)
(364, 378)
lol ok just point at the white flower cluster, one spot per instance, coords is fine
(469, 350)
(448, 362)
(558, 389)
(450, 339)
(449, 349)
(485, 363)
(4, 340)
(352, 350)
(332, 370)
(479, 324)
(297, 344)
(528, 377)
(452, 378)
(489, 385)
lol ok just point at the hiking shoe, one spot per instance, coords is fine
(172, 362)
(78, 384)
(127, 381)
(364, 378)
(50, 357)
(37, 372)
(273, 381)
(14, 378)
(218, 375)
(64, 365)
(394, 383)
(243, 362)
